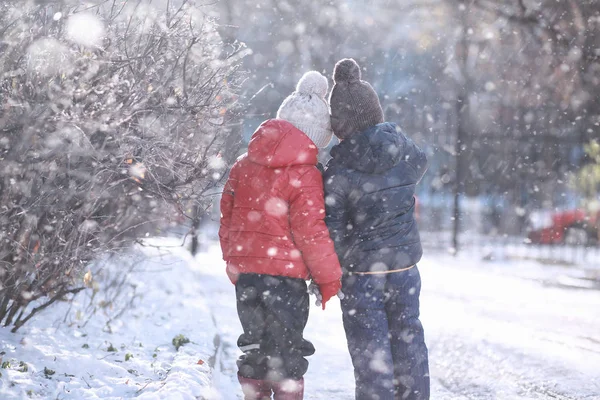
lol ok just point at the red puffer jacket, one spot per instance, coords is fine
(272, 209)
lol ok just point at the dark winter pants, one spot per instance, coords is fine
(385, 336)
(273, 311)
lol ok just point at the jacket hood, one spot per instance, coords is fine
(374, 151)
(277, 143)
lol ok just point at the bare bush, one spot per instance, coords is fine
(114, 289)
(112, 120)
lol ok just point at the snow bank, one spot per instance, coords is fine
(54, 358)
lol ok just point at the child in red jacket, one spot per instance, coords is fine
(274, 238)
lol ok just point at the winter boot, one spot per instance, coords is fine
(255, 389)
(288, 389)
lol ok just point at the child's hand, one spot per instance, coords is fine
(313, 288)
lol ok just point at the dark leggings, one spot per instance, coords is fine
(273, 311)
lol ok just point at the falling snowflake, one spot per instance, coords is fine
(254, 216)
(85, 29)
(48, 57)
(216, 162)
(276, 207)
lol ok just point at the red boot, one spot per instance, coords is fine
(255, 389)
(288, 389)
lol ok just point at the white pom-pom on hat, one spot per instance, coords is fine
(307, 108)
(313, 82)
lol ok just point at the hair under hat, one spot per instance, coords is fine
(307, 110)
(354, 104)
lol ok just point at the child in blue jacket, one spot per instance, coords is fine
(369, 196)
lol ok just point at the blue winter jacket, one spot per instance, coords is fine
(369, 199)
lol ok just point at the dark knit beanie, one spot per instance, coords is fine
(354, 104)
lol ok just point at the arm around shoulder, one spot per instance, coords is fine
(416, 157)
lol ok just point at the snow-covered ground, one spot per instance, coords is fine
(138, 359)
(495, 330)
(510, 330)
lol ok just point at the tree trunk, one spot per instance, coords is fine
(462, 115)
(194, 247)
(462, 110)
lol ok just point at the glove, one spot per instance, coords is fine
(326, 291)
(313, 288)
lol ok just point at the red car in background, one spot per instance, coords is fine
(571, 227)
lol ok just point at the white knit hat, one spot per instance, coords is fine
(307, 108)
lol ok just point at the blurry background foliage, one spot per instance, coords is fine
(587, 179)
(501, 93)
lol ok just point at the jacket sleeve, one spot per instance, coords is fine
(416, 158)
(226, 206)
(310, 234)
(336, 210)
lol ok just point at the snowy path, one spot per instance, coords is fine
(494, 330)
(330, 373)
(502, 330)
